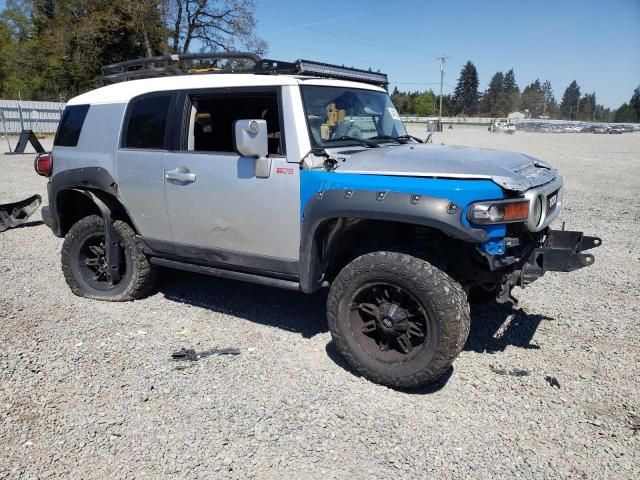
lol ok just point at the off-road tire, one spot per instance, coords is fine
(441, 296)
(139, 277)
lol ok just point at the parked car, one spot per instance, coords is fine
(616, 130)
(601, 129)
(302, 176)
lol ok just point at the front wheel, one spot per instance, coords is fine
(398, 320)
(85, 268)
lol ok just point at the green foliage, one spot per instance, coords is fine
(53, 49)
(569, 104)
(635, 101)
(424, 104)
(466, 95)
(587, 107)
(549, 104)
(532, 99)
(626, 114)
(491, 98)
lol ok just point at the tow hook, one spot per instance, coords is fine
(561, 252)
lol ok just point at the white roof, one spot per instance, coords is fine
(125, 91)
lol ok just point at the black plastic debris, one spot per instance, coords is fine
(553, 381)
(190, 355)
(15, 214)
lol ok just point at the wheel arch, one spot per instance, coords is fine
(372, 220)
(75, 203)
(76, 193)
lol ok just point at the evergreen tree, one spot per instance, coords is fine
(493, 94)
(570, 99)
(587, 107)
(512, 92)
(625, 114)
(532, 99)
(466, 93)
(549, 105)
(635, 101)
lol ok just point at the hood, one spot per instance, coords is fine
(511, 170)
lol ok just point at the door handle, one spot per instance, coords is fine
(181, 174)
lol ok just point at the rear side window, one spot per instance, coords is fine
(70, 126)
(147, 124)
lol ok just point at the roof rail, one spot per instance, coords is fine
(164, 66)
(181, 64)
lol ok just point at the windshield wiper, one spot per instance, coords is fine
(361, 141)
(398, 139)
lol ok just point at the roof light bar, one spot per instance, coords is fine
(306, 67)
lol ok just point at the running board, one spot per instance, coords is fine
(230, 274)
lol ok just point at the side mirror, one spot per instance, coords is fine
(250, 140)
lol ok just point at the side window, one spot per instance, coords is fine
(147, 122)
(70, 126)
(212, 116)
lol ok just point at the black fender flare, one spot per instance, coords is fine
(95, 180)
(435, 212)
(111, 236)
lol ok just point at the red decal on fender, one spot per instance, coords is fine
(284, 171)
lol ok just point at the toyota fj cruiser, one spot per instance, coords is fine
(302, 176)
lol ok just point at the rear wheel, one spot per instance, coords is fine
(85, 267)
(397, 319)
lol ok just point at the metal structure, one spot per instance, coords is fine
(40, 117)
(234, 62)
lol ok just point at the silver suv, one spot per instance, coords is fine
(302, 176)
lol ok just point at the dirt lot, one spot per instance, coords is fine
(88, 389)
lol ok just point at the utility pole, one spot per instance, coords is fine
(443, 61)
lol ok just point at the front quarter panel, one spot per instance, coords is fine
(438, 203)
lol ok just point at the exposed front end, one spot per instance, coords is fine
(529, 247)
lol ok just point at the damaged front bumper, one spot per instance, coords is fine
(561, 251)
(15, 214)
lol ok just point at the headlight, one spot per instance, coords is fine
(501, 211)
(537, 210)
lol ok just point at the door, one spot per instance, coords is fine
(218, 208)
(140, 168)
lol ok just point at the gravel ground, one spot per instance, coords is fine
(88, 389)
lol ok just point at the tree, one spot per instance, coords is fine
(492, 96)
(466, 93)
(625, 114)
(532, 99)
(511, 92)
(213, 24)
(635, 101)
(55, 48)
(549, 106)
(587, 107)
(424, 104)
(569, 104)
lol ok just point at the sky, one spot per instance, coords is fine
(596, 43)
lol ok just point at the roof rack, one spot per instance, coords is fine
(185, 63)
(177, 64)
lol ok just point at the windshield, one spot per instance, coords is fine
(339, 116)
